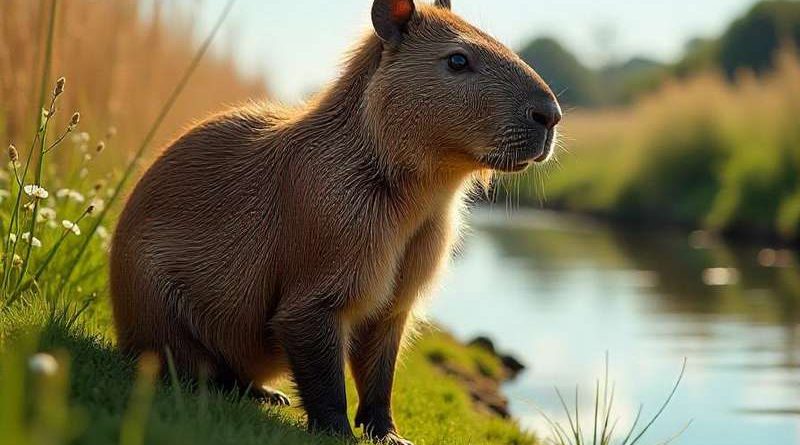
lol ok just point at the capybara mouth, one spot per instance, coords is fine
(517, 157)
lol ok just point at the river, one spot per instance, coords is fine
(561, 292)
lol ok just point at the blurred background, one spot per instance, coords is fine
(665, 228)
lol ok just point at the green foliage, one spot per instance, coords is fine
(752, 41)
(579, 85)
(567, 76)
(700, 153)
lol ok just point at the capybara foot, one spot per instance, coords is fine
(379, 427)
(394, 439)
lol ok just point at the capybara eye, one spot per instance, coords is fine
(458, 62)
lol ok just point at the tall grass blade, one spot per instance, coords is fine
(132, 165)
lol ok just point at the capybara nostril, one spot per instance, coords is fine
(547, 114)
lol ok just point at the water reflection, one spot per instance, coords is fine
(561, 291)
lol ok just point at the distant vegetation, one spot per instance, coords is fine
(700, 152)
(715, 144)
(749, 43)
(579, 85)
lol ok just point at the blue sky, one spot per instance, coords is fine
(298, 44)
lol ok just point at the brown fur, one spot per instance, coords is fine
(269, 240)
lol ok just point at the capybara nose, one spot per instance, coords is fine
(546, 113)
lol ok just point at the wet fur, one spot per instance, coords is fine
(271, 240)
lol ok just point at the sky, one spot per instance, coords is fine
(297, 45)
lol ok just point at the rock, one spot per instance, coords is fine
(512, 365)
(484, 343)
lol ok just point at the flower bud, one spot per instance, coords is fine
(13, 154)
(59, 86)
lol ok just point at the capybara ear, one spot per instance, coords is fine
(446, 4)
(390, 17)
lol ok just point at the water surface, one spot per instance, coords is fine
(559, 292)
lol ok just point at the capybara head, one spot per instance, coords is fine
(456, 93)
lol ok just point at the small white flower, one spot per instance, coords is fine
(27, 238)
(16, 261)
(76, 196)
(98, 204)
(69, 225)
(12, 237)
(80, 138)
(43, 364)
(46, 214)
(35, 191)
(71, 194)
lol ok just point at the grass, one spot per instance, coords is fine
(108, 401)
(701, 152)
(603, 427)
(62, 379)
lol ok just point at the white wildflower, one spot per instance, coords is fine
(76, 196)
(80, 138)
(16, 261)
(46, 214)
(35, 191)
(69, 225)
(97, 204)
(12, 237)
(43, 364)
(34, 241)
(71, 194)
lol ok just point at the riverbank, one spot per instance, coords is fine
(83, 391)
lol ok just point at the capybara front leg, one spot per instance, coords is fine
(313, 341)
(373, 355)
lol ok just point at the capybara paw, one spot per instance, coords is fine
(394, 439)
(379, 428)
(272, 396)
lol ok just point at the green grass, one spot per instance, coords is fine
(101, 395)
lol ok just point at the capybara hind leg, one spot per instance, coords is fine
(373, 354)
(313, 341)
